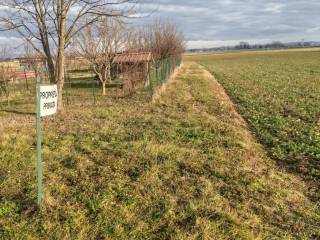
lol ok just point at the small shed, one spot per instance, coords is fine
(133, 66)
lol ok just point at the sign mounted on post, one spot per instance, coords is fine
(46, 105)
(48, 100)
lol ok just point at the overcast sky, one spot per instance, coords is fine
(211, 23)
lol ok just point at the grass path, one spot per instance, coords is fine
(184, 167)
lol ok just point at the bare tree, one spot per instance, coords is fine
(32, 59)
(49, 25)
(99, 43)
(162, 38)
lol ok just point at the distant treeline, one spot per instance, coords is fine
(273, 45)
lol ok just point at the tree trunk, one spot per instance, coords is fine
(60, 77)
(109, 73)
(104, 88)
(51, 70)
(61, 53)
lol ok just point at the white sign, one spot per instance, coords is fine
(48, 100)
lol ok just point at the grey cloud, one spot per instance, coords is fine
(235, 20)
(214, 20)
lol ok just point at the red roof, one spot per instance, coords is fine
(19, 75)
(133, 57)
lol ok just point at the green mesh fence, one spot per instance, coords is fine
(161, 70)
(80, 86)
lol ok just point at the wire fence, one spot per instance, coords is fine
(161, 71)
(17, 87)
(80, 86)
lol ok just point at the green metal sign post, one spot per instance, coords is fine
(38, 132)
(46, 105)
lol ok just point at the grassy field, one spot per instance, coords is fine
(185, 167)
(278, 93)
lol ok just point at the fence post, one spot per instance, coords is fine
(6, 84)
(150, 79)
(67, 92)
(169, 67)
(165, 70)
(162, 70)
(157, 74)
(94, 93)
(38, 128)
